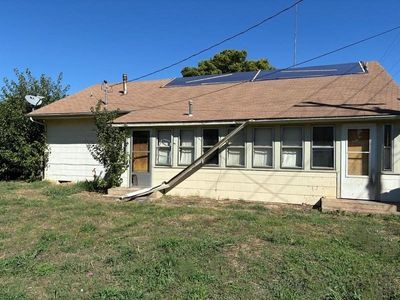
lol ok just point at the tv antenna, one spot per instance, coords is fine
(106, 89)
(34, 100)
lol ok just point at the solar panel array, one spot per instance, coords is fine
(304, 72)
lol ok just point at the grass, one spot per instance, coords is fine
(58, 242)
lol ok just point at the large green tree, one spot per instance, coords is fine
(227, 61)
(23, 142)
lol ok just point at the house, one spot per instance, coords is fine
(326, 131)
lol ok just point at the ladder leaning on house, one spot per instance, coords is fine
(166, 186)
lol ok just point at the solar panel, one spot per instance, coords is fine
(304, 72)
(308, 72)
(212, 79)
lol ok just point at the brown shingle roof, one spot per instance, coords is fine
(370, 94)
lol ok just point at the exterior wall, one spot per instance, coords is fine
(389, 188)
(69, 157)
(256, 185)
(305, 185)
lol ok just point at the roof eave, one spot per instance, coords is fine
(261, 121)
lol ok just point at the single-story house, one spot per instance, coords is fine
(327, 131)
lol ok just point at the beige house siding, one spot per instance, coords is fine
(69, 157)
(70, 160)
(254, 185)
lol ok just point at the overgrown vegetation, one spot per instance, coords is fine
(22, 142)
(58, 242)
(227, 61)
(110, 149)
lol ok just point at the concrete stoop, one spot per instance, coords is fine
(359, 206)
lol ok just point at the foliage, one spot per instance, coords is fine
(96, 185)
(22, 142)
(227, 61)
(82, 246)
(110, 149)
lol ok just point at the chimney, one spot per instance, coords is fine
(124, 84)
(190, 112)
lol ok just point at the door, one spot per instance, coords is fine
(358, 171)
(141, 175)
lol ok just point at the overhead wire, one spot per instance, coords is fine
(279, 70)
(215, 44)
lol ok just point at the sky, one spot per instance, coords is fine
(94, 40)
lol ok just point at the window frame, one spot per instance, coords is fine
(209, 147)
(186, 147)
(384, 147)
(292, 147)
(323, 147)
(244, 133)
(263, 147)
(158, 147)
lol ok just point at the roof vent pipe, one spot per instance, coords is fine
(124, 84)
(190, 113)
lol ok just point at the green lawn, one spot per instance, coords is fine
(57, 242)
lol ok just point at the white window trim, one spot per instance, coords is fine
(158, 147)
(186, 147)
(384, 147)
(323, 147)
(264, 147)
(209, 147)
(293, 147)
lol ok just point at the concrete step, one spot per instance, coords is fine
(359, 206)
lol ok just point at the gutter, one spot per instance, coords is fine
(263, 121)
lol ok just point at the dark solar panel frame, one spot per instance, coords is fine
(304, 72)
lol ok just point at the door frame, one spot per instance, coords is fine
(373, 158)
(131, 173)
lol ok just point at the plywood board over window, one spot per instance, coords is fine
(358, 152)
(141, 151)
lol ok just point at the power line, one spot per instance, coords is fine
(279, 70)
(218, 43)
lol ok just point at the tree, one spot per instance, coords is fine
(110, 147)
(22, 142)
(227, 61)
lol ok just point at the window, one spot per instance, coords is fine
(387, 148)
(323, 147)
(186, 147)
(262, 147)
(358, 152)
(164, 148)
(235, 152)
(292, 147)
(210, 138)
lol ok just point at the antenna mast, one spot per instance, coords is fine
(295, 34)
(106, 89)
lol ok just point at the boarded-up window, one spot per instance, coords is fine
(141, 151)
(358, 152)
